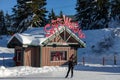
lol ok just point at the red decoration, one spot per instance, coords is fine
(51, 28)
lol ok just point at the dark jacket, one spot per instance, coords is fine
(71, 63)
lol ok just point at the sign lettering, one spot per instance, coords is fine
(66, 22)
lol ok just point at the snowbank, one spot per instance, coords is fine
(26, 70)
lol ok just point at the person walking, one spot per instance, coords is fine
(70, 66)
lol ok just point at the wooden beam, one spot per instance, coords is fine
(65, 35)
(68, 37)
(60, 43)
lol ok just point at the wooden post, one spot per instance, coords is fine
(103, 60)
(115, 63)
(83, 60)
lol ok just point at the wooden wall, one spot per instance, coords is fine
(36, 56)
(46, 55)
(32, 56)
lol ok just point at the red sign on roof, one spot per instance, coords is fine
(65, 22)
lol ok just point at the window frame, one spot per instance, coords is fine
(61, 52)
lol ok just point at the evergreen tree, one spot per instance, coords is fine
(61, 14)
(3, 29)
(8, 22)
(115, 9)
(29, 13)
(102, 13)
(92, 14)
(52, 15)
(49, 17)
(21, 12)
(1, 20)
(83, 13)
(39, 11)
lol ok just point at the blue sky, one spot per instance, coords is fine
(7, 5)
(67, 6)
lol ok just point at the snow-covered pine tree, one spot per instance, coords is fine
(83, 13)
(21, 12)
(92, 14)
(102, 16)
(115, 9)
(29, 13)
(39, 12)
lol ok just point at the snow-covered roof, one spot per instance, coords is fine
(33, 36)
(36, 36)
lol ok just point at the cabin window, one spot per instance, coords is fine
(58, 55)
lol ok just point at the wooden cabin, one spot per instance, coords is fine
(32, 48)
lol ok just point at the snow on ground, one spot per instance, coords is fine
(26, 70)
(101, 43)
(6, 57)
(88, 72)
(93, 57)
